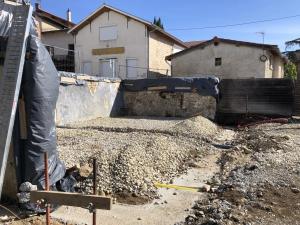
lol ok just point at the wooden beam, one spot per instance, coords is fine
(108, 51)
(68, 80)
(158, 88)
(71, 199)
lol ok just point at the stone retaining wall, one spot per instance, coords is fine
(155, 103)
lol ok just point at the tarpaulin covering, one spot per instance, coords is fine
(40, 88)
(6, 15)
(203, 86)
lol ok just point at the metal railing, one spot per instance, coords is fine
(63, 59)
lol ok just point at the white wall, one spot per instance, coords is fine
(60, 39)
(132, 35)
(237, 62)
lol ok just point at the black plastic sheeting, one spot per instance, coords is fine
(40, 88)
(203, 86)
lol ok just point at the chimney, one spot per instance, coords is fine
(69, 15)
(37, 6)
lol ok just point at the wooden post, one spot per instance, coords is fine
(47, 187)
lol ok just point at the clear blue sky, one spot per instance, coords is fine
(200, 13)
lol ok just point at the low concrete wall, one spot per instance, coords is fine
(155, 103)
(90, 100)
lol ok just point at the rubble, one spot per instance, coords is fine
(256, 186)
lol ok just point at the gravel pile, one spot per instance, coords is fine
(133, 155)
(197, 126)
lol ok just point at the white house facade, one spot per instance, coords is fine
(112, 43)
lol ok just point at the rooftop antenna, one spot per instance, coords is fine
(263, 34)
(263, 57)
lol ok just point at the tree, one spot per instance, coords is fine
(158, 22)
(290, 71)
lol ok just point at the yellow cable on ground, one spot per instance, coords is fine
(177, 187)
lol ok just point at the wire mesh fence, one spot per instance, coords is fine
(114, 69)
(70, 60)
(63, 59)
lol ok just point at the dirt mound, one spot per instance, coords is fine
(258, 182)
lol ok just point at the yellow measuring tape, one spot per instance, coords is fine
(177, 187)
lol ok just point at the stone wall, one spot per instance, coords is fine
(155, 103)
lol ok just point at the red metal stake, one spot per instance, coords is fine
(47, 187)
(94, 188)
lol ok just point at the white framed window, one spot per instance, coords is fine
(108, 33)
(108, 67)
(87, 68)
(131, 68)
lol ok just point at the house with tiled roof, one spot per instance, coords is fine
(227, 58)
(55, 36)
(114, 43)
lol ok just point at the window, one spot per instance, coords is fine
(218, 61)
(131, 68)
(71, 48)
(108, 33)
(107, 67)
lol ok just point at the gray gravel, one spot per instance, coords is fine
(135, 153)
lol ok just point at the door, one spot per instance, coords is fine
(107, 67)
(87, 68)
(131, 68)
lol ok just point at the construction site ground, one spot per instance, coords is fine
(246, 176)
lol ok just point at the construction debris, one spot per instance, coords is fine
(257, 187)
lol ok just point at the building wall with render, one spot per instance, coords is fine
(131, 35)
(237, 62)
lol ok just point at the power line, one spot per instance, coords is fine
(237, 24)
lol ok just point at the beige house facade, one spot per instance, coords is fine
(112, 43)
(54, 31)
(229, 59)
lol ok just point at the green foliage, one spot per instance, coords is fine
(290, 71)
(291, 56)
(158, 22)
